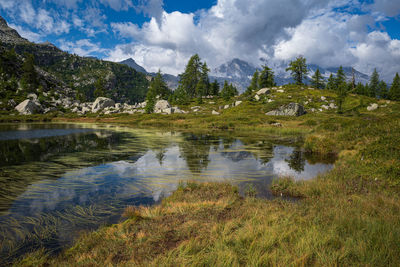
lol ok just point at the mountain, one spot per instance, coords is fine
(132, 63)
(239, 73)
(171, 80)
(70, 75)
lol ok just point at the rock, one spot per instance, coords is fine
(48, 110)
(313, 110)
(161, 105)
(75, 110)
(85, 110)
(196, 110)
(29, 107)
(211, 102)
(289, 96)
(102, 103)
(270, 100)
(168, 111)
(226, 106)
(280, 91)
(325, 107)
(372, 107)
(332, 106)
(257, 97)
(306, 103)
(237, 103)
(276, 124)
(214, 112)
(32, 97)
(118, 106)
(178, 111)
(263, 91)
(195, 107)
(292, 109)
(323, 98)
(11, 103)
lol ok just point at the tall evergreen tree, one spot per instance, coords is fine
(203, 86)
(331, 83)
(360, 89)
(157, 88)
(191, 76)
(374, 84)
(254, 83)
(340, 78)
(99, 89)
(383, 90)
(214, 88)
(317, 80)
(228, 91)
(266, 78)
(394, 92)
(298, 69)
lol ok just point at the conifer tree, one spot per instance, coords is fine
(214, 88)
(157, 88)
(374, 84)
(99, 88)
(228, 91)
(317, 80)
(266, 78)
(383, 90)
(341, 89)
(340, 78)
(191, 76)
(298, 69)
(394, 92)
(331, 83)
(254, 83)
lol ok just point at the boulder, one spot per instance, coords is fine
(32, 97)
(168, 111)
(332, 106)
(226, 106)
(29, 107)
(102, 103)
(323, 98)
(237, 103)
(161, 105)
(292, 109)
(263, 91)
(372, 107)
(215, 112)
(280, 91)
(257, 97)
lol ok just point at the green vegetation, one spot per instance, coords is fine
(317, 80)
(298, 69)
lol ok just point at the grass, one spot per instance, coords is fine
(348, 216)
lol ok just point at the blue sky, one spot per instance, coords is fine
(165, 33)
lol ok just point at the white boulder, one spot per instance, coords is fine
(102, 103)
(29, 107)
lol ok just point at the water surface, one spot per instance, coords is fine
(57, 180)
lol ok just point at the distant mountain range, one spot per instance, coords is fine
(240, 72)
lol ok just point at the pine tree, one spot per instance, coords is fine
(317, 80)
(383, 90)
(298, 69)
(360, 89)
(340, 78)
(254, 83)
(191, 76)
(157, 88)
(394, 92)
(228, 91)
(331, 83)
(205, 79)
(214, 88)
(266, 78)
(374, 84)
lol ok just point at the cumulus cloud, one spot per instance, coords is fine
(83, 47)
(390, 8)
(229, 29)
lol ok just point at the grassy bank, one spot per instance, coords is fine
(349, 216)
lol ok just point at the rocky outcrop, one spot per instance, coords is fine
(161, 105)
(263, 91)
(102, 103)
(29, 107)
(372, 107)
(292, 109)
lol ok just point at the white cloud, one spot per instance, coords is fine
(390, 8)
(83, 47)
(118, 5)
(31, 36)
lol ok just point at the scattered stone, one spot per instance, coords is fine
(168, 111)
(211, 102)
(263, 91)
(257, 97)
(270, 100)
(289, 96)
(372, 107)
(276, 124)
(280, 91)
(196, 107)
(102, 103)
(292, 109)
(306, 103)
(214, 112)
(29, 107)
(325, 107)
(313, 109)
(323, 98)
(237, 103)
(161, 105)
(332, 106)
(32, 97)
(226, 106)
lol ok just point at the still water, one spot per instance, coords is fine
(57, 180)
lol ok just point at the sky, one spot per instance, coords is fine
(163, 34)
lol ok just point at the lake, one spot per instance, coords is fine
(59, 180)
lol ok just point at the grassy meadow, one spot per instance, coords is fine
(348, 216)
